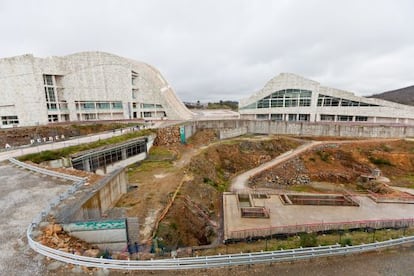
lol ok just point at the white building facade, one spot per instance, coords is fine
(289, 97)
(82, 87)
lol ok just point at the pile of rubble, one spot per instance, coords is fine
(167, 136)
(293, 172)
(53, 236)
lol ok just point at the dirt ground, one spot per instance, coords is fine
(342, 165)
(201, 170)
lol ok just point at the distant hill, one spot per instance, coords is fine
(402, 95)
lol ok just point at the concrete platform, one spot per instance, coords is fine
(302, 218)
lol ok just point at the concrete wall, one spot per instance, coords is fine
(94, 203)
(311, 129)
(106, 234)
(230, 133)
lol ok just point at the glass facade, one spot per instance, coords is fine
(283, 98)
(324, 100)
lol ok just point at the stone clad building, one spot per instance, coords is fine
(289, 97)
(82, 87)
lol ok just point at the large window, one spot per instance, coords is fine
(283, 98)
(50, 92)
(324, 100)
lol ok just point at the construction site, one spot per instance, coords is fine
(205, 193)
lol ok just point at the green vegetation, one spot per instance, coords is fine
(380, 161)
(223, 105)
(308, 240)
(66, 152)
(323, 155)
(158, 153)
(220, 186)
(343, 238)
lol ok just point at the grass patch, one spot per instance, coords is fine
(66, 152)
(323, 155)
(310, 239)
(148, 166)
(380, 161)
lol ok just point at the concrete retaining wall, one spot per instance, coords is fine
(230, 133)
(93, 202)
(312, 129)
(106, 234)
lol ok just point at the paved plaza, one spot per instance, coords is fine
(292, 215)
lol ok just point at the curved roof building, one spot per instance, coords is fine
(289, 97)
(81, 87)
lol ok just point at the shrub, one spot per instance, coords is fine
(346, 241)
(380, 161)
(308, 240)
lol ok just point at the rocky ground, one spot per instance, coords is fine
(343, 164)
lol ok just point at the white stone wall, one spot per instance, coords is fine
(88, 76)
(386, 112)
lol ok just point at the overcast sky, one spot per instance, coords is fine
(212, 50)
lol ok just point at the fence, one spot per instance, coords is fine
(191, 262)
(318, 227)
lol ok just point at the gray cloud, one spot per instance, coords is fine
(212, 50)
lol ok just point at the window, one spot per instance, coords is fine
(284, 98)
(102, 106)
(88, 105)
(134, 105)
(304, 117)
(90, 116)
(52, 106)
(345, 118)
(48, 80)
(262, 116)
(325, 117)
(361, 118)
(276, 117)
(292, 117)
(264, 103)
(147, 105)
(304, 102)
(117, 105)
(147, 114)
(52, 118)
(158, 106)
(134, 77)
(277, 103)
(9, 120)
(250, 106)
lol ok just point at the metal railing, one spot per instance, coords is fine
(78, 182)
(190, 262)
(216, 260)
(316, 227)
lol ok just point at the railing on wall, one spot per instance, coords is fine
(185, 263)
(317, 227)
